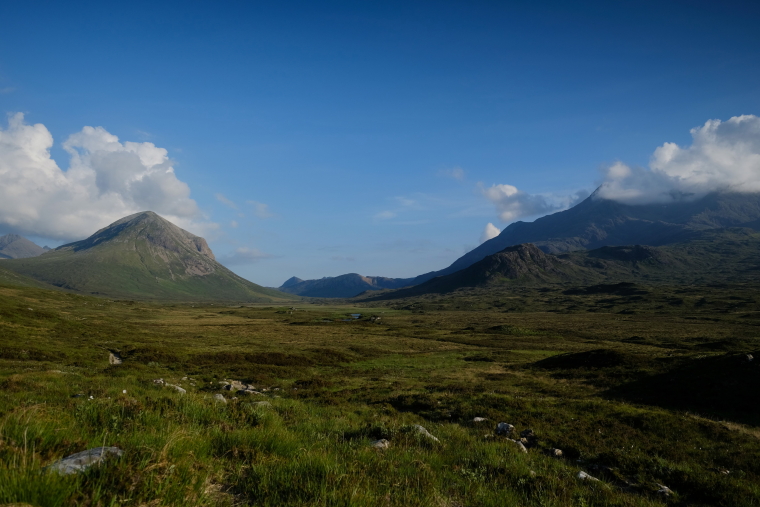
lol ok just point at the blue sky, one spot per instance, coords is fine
(324, 138)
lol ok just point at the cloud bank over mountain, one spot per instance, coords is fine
(106, 180)
(722, 156)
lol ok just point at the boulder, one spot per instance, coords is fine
(504, 428)
(81, 461)
(381, 444)
(586, 477)
(519, 445)
(557, 453)
(114, 358)
(179, 389)
(219, 398)
(664, 490)
(424, 433)
(479, 419)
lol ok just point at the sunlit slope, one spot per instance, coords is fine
(143, 256)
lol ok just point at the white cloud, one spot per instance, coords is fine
(513, 204)
(222, 199)
(233, 224)
(490, 232)
(456, 173)
(244, 255)
(260, 209)
(722, 156)
(7, 89)
(106, 181)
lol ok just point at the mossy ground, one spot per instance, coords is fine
(644, 387)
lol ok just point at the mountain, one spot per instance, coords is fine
(521, 264)
(714, 256)
(598, 222)
(13, 246)
(343, 286)
(142, 256)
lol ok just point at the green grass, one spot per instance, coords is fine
(608, 379)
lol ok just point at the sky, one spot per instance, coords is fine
(314, 139)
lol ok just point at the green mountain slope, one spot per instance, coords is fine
(143, 256)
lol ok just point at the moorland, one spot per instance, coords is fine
(649, 388)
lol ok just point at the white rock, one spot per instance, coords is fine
(504, 428)
(557, 453)
(159, 381)
(114, 358)
(380, 444)
(81, 461)
(220, 398)
(176, 388)
(423, 432)
(479, 419)
(586, 477)
(519, 445)
(664, 490)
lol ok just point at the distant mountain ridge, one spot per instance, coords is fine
(13, 246)
(143, 256)
(712, 256)
(598, 222)
(343, 286)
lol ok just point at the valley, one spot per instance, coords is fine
(638, 386)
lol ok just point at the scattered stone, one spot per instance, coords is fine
(81, 461)
(750, 358)
(423, 432)
(504, 428)
(380, 444)
(114, 358)
(479, 419)
(220, 398)
(250, 391)
(235, 385)
(159, 381)
(179, 389)
(664, 490)
(264, 404)
(586, 477)
(557, 453)
(519, 445)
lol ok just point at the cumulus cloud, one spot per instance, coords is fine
(106, 180)
(244, 255)
(723, 156)
(513, 204)
(490, 232)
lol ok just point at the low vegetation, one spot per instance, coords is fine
(639, 386)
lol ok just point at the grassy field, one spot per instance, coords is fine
(638, 386)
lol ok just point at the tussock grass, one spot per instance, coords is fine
(597, 384)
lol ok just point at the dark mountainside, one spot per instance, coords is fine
(142, 256)
(709, 257)
(13, 246)
(597, 222)
(343, 286)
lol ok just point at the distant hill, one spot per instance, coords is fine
(598, 222)
(730, 255)
(13, 246)
(343, 286)
(142, 256)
